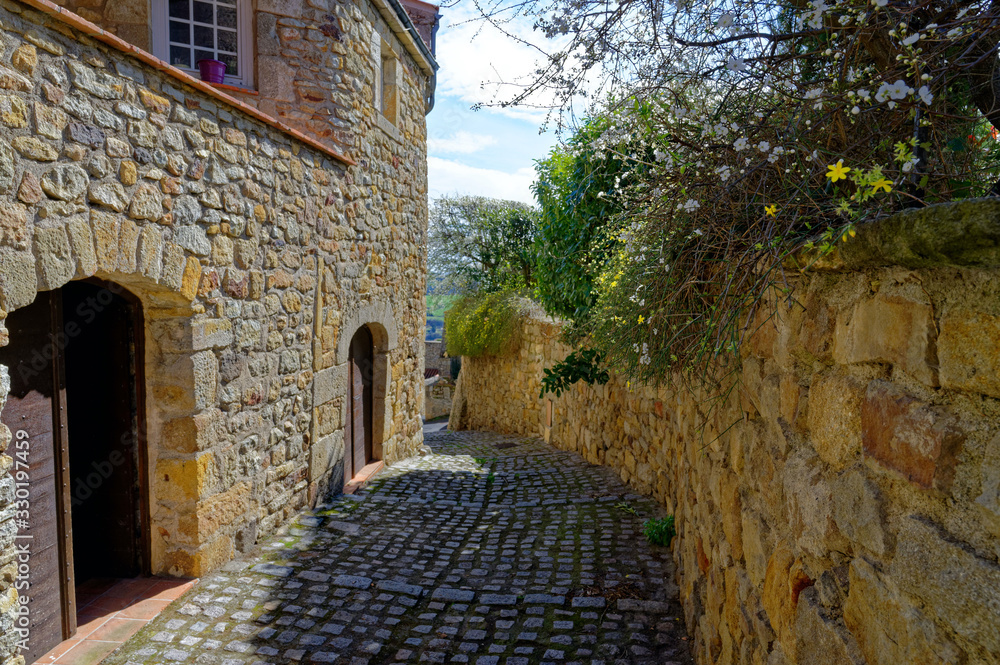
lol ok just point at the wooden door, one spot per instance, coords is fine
(358, 449)
(35, 413)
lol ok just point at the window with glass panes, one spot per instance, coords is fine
(203, 30)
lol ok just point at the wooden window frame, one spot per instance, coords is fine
(244, 34)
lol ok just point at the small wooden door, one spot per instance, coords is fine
(358, 434)
(36, 415)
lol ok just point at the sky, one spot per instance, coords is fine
(489, 152)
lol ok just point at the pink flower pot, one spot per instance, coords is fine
(212, 71)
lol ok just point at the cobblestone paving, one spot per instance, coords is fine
(494, 550)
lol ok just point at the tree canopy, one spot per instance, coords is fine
(481, 244)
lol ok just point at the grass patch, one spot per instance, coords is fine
(659, 531)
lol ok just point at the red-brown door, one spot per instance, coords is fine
(35, 413)
(358, 434)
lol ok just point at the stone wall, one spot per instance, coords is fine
(311, 62)
(434, 358)
(437, 398)
(256, 258)
(842, 506)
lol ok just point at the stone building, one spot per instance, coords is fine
(211, 295)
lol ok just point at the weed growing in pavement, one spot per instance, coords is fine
(659, 531)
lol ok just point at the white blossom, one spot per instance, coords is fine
(735, 64)
(741, 144)
(764, 146)
(925, 95)
(726, 20)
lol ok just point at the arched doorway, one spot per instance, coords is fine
(358, 433)
(76, 408)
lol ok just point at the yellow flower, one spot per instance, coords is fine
(837, 171)
(771, 210)
(641, 318)
(882, 183)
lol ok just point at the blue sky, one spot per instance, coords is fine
(489, 152)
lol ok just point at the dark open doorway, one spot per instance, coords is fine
(360, 388)
(105, 428)
(76, 411)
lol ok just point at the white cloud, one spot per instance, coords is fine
(447, 177)
(481, 64)
(461, 142)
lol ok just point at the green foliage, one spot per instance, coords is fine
(581, 365)
(659, 531)
(438, 304)
(484, 324)
(481, 244)
(575, 189)
(627, 507)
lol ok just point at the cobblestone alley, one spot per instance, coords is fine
(493, 550)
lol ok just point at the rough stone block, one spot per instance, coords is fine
(217, 512)
(890, 329)
(147, 203)
(189, 434)
(961, 589)
(783, 582)
(211, 333)
(889, 630)
(105, 229)
(185, 479)
(822, 640)
(14, 231)
(330, 383)
(174, 263)
(859, 513)
(18, 283)
(148, 257)
(128, 246)
(352, 581)
(969, 353)
(190, 278)
(835, 429)
(13, 111)
(8, 168)
(455, 595)
(809, 505)
(65, 182)
(989, 497)
(109, 194)
(56, 265)
(276, 78)
(321, 460)
(50, 121)
(920, 441)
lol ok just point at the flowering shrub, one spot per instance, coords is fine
(748, 130)
(485, 324)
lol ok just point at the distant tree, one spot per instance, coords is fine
(479, 244)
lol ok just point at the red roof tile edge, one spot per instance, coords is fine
(88, 28)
